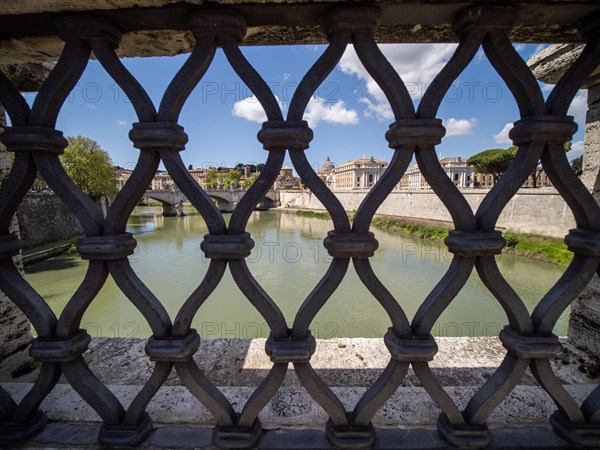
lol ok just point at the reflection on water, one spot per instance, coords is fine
(288, 261)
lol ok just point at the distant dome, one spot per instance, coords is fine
(327, 166)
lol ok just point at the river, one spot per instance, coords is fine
(288, 260)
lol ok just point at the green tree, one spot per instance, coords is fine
(233, 176)
(536, 173)
(89, 167)
(577, 165)
(211, 179)
(250, 181)
(494, 161)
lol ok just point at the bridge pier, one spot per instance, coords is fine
(170, 210)
(265, 204)
(225, 206)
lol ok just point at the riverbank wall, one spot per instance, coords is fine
(532, 211)
(44, 218)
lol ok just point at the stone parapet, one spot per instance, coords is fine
(28, 32)
(348, 365)
(548, 66)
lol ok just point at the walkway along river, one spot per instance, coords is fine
(288, 260)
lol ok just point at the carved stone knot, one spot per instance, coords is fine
(291, 134)
(106, 248)
(213, 22)
(424, 132)
(87, 28)
(529, 345)
(583, 242)
(543, 128)
(351, 245)
(60, 349)
(475, 244)
(410, 348)
(291, 349)
(227, 246)
(350, 20)
(159, 136)
(485, 18)
(33, 139)
(175, 349)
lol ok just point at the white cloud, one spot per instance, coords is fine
(546, 87)
(459, 127)
(250, 109)
(380, 111)
(121, 122)
(319, 110)
(286, 76)
(502, 136)
(417, 65)
(519, 47)
(539, 48)
(579, 108)
(576, 150)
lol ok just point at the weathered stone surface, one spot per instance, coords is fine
(342, 362)
(43, 218)
(27, 77)
(274, 22)
(591, 156)
(584, 322)
(293, 406)
(550, 64)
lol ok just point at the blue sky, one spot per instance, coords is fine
(349, 115)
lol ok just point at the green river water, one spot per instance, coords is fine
(288, 261)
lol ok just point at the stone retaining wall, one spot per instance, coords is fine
(533, 211)
(44, 218)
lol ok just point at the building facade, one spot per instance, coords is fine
(357, 174)
(459, 172)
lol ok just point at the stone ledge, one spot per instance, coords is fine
(341, 362)
(77, 436)
(294, 407)
(27, 33)
(550, 64)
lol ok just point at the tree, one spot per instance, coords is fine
(89, 167)
(577, 165)
(233, 176)
(536, 173)
(250, 181)
(494, 161)
(211, 178)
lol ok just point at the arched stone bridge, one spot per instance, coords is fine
(226, 200)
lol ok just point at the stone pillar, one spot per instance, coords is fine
(548, 66)
(168, 210)
(15, 334)
(584, 322)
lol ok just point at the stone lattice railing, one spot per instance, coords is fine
(539, 132)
